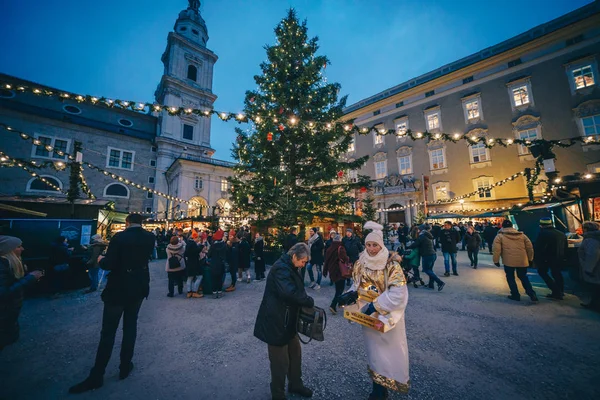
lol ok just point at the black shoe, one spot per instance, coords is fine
(124, 372)
(554, 296)
(87, 385)
(474, 266)
(455, 273)
(515, 298)
(446, 273)
(534, 298)
(441, 286)
(302, 391)
(169, 294)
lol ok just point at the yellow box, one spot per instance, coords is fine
(354, 313)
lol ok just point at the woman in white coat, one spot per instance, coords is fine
(387, 352)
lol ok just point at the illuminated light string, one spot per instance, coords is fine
(84, 186)
(20, 164)
(464, 196)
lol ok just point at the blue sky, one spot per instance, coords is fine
(113, 48)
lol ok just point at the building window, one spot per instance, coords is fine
(116, 190)
(224, 185)
(433, 119)
(401, 127)
(57, 144)
(468, 79)
(376, 112)
(437, 159)
(527, 134)
(149, 210)
(405, 165)
(353, 175)
(195, 32)
(378, 137)
(430, 93)
(351, 146)
(583, 77)
(37, 185)
(192, 72)
(154, 149)
(149, 195)
(514, 63)
(72, 109)
(153, 163)
(591, 125)
(188, 132)
(118, 158)
(479, 153)
(380, 169)
(150, 179)
(198, 183)
(125, 122)
(441, 191)
(399, 104)
(7, 94)
(520, 93)
(484, 182)
(472, 109)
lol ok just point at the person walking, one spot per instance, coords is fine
(193, 269)
(245, 257)
(259, 257)
(277, 320)
(13, 281)
(217, 255)
(449, 238)
(589, 262)
(353, 247)
(96, 248)
(516, 251)
(424, 244)
(436, 232)
(489, 233)
(127, 285)
(335, 254)
(387, 353)
(403, 235)
(550, 248)
(473, 242)
(413, 260)
(316, 244)
(233, 261)
(175, 265)
(290, 240)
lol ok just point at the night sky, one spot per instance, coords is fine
(113, 48)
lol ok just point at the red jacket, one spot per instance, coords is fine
(334, 253)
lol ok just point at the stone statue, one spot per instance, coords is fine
(194, 5)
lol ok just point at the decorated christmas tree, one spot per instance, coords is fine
(292, 164)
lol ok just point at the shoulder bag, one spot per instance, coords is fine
(312, 321)
(346, 268)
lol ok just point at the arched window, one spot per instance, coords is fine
(198, 207)
(116, 190)
(192, 72)
(40, 186)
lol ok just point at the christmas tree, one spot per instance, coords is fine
(292, 164)
(369, 213)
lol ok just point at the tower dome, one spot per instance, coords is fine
(191, 25)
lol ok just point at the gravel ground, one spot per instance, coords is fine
(466, 342)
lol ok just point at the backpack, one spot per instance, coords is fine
(175, 261)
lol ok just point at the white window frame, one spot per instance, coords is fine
(489, 181)
(224, 185)
(113, 196)
(445, 160)
(578, 65)
(478, 147)
(470, 100)
(409, 170)
(52, 142)
(149, 195)
(151, 179)
(29, 189)
(352, 145)
(198, 183)
(596, 125)
(401, 126)
(437, 187)
(384, 173)
(378, 140)
(430, 113)
(353, 175)
(108, 150)
(522, 83)
(524, 150)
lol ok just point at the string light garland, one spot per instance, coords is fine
(20, 164)
(84, 186)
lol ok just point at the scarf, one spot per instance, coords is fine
(376, 263)
(312, 239)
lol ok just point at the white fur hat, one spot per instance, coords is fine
(376, 234)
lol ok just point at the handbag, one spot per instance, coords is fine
(312, 321)
(346, 268)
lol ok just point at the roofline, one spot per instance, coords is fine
(532, 34)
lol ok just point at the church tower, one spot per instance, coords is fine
(186, 82)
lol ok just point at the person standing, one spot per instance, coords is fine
(449, 237)
(473, 241)
(175, 265)
(550, 248)
(424, 244)
(335, 254)
(13, 281)
(387, 353)
(489, 234)
(217, 255)
(589, 262)
(245, 257)
(233, 261)
(516, 251)
(402, 235)
(290, 240)
(436, 231)
(277, 320)
(193, 269)
(96, 248)
(127, 285)
(316, 244)
(60, 255)
(353, 247)
(259, 257)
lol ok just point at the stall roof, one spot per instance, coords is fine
(549, 205)
(490, 214)
(447, 215)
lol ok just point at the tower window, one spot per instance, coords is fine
(195, 32)
(182, 29)
(192, 72)
(125, 122)
(188, 132)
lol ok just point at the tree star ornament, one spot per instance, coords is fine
(281, 127)
(340, 174)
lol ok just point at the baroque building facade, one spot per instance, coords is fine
(170, 154)
(540, 84)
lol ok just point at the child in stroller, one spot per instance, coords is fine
(410, 265)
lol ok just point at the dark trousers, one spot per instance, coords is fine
(110, 322)
(206, 280)
(557, 282)
(175, 278)
(285, 361)
(217, 279)
(473, 255)
(427, 262)
(233, 274)
(339, 290)
(512, 283)
(259, 269)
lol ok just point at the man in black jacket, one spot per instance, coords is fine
(449, 237)
(549, 253)
(291, 240)
(277, 318)
(353, 248)
(127, 285)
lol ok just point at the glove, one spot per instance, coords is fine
(370, 310)
(497, 265)
(348, 298)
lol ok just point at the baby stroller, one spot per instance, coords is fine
(408, 257)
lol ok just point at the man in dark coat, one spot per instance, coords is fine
(259, 257)
(403, 235)
(290, 240)
(233, 260)
(424, 244)
(549, 253)
(127, 285)
(436, 230)
(277, 319)
(489, 234)
(317, 257)
(217, 254)
(353, 247)
(245, 256)
(449, 238)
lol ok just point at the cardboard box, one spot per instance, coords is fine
(354, 313)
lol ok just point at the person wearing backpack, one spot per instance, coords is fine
(192, 265)
(175, 265)
(335, 254)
